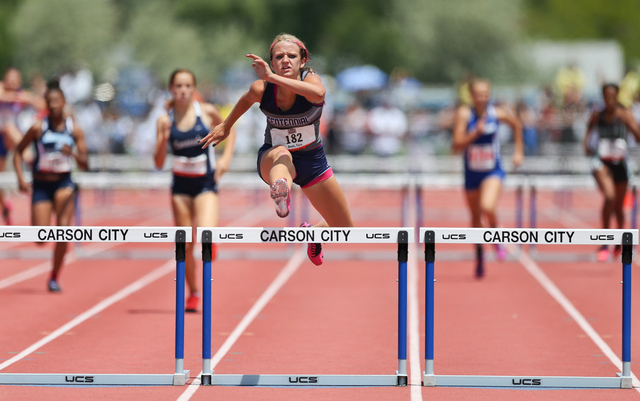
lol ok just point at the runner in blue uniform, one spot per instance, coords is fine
(55, 137)
(291, 96)
(13, 99)
(475, 133)
(196, 172)
(609, 164)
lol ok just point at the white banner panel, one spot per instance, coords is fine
(528, 236)
(91, 234)
(347, 235)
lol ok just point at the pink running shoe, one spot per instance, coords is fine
(281, 197)
(501, 252)
(603, 254)
(314, 251)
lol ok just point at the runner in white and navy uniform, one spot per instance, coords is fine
(196, 172)
(55, 137)
(475, 133)
(291, 96)
(193, 167)
(609, 164)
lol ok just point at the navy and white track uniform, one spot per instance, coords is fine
(50, 160)
(193, 167)
(482, 157)
(298, 130)
(612, 151)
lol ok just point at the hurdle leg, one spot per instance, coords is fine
(207, 256)
(626, 310)
(180, 376)
(403, 256)
(428, 378)
(533, 223)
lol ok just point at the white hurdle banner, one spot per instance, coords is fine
(346, 235)
(432, 236)
(178, 235)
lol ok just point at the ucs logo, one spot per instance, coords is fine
(378, 236)
(303, 379)
(454, 236)
(78, 379)
(9, 235)
(601, 237)
(526, 382)
(231, 236)
(156, 235)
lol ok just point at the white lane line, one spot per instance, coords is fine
(296, 260)
(163, 270)
(546, 283)
(414, 325)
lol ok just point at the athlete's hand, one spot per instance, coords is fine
(262, 68)
(222, 166)
(480, 127)
(67, 150)
(518, 158)
(23, 186)
(217, 135)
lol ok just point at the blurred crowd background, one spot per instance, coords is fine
(395, 70)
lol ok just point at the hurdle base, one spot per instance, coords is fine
(528, 382)
(88, 379)
(403, 379)
(180, 379)
(625, 381)
(296, 380)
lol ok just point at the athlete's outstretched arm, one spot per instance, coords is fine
(223, 162)
(518, 151)
(461, 138)
(162, 136)
(585, 141)
(81, 154)
(29, 137)
(627, 118)
(221, 131)
(311, 88)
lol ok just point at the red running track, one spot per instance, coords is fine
(339, 318)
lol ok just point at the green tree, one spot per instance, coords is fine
(7, 46)
(586, 19)
(56, 35)
(441, 40)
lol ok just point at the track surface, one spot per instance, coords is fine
(339, 318)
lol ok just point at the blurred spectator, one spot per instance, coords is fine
(89, 117)
(569, 83)
(388, 126)
(527, 118)
(352, 128)
(117, 129)
(78, 86)
(629, 88)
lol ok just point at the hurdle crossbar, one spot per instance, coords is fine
(432, 236)
(298, 235)
(178, 235)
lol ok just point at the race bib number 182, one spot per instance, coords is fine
(293, 138)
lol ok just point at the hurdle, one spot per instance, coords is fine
(178, 235)
(432, 236)
(400, 236)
